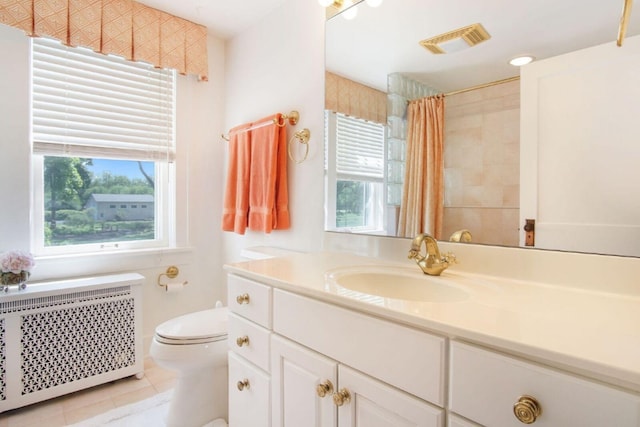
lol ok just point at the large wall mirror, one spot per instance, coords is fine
(492, 181)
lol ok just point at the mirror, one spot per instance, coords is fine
(381, 44)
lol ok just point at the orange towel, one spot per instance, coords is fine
(281, 216)
(268, 194)
(236, 195)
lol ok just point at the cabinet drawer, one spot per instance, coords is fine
(250, 300)
(403, 357)
(485, 386)
(249, 407)
(249, 340)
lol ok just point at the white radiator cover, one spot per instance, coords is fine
(60, 337)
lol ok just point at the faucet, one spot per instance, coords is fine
(463, 235)
(433, 263)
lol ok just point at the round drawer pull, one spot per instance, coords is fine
(324, 388)
(341, 397)
(527, 409)
(243, 384)
(240, 341)
(242, 299)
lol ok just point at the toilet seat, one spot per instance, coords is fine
(201, 327)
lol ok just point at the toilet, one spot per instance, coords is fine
(195, 346)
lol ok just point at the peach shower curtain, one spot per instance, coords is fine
(422, 206)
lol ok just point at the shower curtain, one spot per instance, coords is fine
(422, 205)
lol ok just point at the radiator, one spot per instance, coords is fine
(60, 337)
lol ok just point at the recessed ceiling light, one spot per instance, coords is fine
(521, 60)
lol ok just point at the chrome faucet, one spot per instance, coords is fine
(433, 263)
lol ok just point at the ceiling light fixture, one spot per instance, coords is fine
(519, 61)
(348, 8)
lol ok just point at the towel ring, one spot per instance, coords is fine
(302, 136)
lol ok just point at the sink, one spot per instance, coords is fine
(395, 282)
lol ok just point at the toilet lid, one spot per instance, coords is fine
(195, 328)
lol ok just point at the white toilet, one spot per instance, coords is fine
(195, 345)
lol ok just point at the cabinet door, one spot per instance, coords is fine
(297, 373)
(456, 421)
(249, 389)
(372, 403)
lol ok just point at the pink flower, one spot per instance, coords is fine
(16, 261)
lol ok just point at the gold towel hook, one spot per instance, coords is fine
(302, 136)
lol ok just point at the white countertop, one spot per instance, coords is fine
(588, 332)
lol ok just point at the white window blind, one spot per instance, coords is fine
(359, 147)
(95, 105)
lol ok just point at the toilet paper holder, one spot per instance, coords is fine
(171, 273)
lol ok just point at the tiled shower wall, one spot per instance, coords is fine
(482, 166)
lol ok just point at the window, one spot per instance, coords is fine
(355, 173)
(103, 142)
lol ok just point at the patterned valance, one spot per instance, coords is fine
(121, 27)
(354, 99)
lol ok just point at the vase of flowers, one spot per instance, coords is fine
(15, 269)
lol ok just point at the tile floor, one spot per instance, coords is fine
(84, 404)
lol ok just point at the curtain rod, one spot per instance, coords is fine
(482, 86)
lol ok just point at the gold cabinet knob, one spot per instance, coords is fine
(527, 409)
(243, 384)
(341, 397)
(240, 341)
(242, 299)
(324, 388)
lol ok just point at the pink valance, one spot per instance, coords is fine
(121, 27)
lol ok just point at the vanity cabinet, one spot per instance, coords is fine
(298, 361)
(249, 340)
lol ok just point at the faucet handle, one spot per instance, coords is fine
(450, 258)
(413, 254)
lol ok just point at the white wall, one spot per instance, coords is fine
(199, 178)
(278, 66)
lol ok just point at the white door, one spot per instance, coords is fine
(371, 403)
(303, 383)
(579, 151)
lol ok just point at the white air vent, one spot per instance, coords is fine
(454, 40)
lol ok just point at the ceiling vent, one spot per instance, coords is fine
(456, 40)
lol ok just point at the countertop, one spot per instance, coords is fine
(588, 332)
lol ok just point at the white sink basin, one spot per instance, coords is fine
(394, 282)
